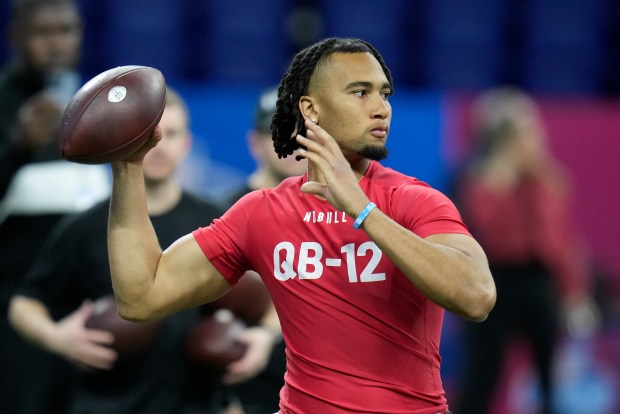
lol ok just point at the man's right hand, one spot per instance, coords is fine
(87, 348)
(153, 140)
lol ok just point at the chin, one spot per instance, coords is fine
(374, 153)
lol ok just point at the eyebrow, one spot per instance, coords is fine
(365, 84)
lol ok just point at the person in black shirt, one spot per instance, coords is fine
(72, 271)
(37, 187)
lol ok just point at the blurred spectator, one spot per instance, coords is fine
(270, 170)
(260, 394)
(515, 198)
(53, 305)
(36, 188)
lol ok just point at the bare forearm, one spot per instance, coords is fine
(456, 278)
(32, 320)
(134, 250)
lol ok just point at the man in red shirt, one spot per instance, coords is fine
(360, 260)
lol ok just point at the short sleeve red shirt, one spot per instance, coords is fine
(359, 336)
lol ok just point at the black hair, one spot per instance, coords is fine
(287, 118)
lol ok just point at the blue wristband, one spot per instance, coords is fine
(365, 212)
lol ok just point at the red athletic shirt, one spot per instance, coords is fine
(360, 337)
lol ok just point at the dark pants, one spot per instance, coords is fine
(527, 307)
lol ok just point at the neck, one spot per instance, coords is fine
(162, 196)
(359, 169)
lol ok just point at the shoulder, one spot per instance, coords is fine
(406, 198)
(250, 200)
(396, 182)
(381, 175)
(419, 201)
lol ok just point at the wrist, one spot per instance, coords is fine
(50, 339)
(359, 220)
(275, 335)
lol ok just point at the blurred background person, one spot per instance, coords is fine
(55, 302)
(516, 199)
(36, 187)
(270, 170)
(259, 392)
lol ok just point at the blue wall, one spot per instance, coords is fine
(550, 46)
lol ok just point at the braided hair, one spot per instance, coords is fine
(287, 119)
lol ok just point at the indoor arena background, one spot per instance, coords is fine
(221, 53)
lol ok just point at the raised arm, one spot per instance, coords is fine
(451, 269)
(150, 283)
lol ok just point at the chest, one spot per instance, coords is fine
(317, 246)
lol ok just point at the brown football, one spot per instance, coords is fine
(248, 299)
(130, 338)
(213, 343)
(112, 115)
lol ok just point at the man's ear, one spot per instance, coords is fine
(308, 108)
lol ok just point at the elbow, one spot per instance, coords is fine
(482, 305)
(131, 315)
(135, 313)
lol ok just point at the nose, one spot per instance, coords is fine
(381, 107)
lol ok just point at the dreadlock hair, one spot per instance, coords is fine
(287, 118)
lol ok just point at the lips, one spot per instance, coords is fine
(380, 131)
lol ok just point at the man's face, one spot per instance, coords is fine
(162, 161)
(49, 39)
(350, 94)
